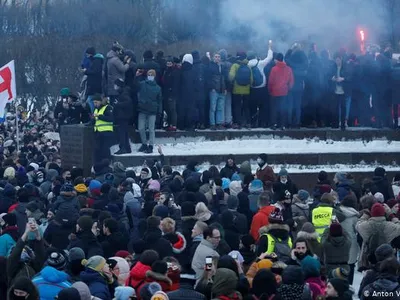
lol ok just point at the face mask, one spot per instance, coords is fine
(13, 297)
(150, 78)
(68, 178)
(260, 162)
(284, 181)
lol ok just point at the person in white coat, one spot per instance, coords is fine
(348, 207)
(258, 92)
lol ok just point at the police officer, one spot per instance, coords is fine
(103, 127)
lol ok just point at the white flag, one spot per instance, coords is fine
(8, 88)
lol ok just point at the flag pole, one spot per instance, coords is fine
(16, 123)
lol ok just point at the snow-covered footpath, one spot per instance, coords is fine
(272, 146)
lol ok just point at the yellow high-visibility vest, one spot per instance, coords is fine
(101, 125)
(321, 219)
(271, 243)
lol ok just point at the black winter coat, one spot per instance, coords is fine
(200, 83)
(113, 243)
(94, 75)
(298, 61)
(395, 83)
(123, 108)
(171, 82)
(228, 171)
(154, 241)
(88, 243)
(188, 83)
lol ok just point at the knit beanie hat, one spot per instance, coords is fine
(94, 185)
(149, 289)
(83, 290)
(56, 260)
(225, 281)
(383, 252)
(327, 198)
(379, 197)
(339, 273)
(311, 266)
(340, 285)
(377, 210)
(76, 253)
(283, 172)
(32, 206)
(303, 195)
(276, 217)
(24, 284)
(308, 227)
(122, 253)
(96, 263)
(91, 50)
(322, 176)
(9, 173)
(235, 187)
(335, 230)
(293, 275)
(124, 293)
(154, 185)
(161, 211)
(69, 294)
(264, 264)
(81, 188)
(325, 188)
(233, 202)
(67, 187)
(160, 295)
(85, 223)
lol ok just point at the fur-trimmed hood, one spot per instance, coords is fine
(268, 228)
(179, 246)
(158, 277)
(307, 235)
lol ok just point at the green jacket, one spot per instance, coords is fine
(239, 89)
(149, 96)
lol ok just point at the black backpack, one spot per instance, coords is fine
(257, 76)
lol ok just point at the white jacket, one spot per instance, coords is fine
(261, 65)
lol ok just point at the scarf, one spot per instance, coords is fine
(291, 291)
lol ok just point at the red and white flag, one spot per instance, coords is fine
(8, 87)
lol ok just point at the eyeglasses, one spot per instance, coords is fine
(216, 237)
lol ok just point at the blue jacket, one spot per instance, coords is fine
(6, 244)
(50, 282)
(97, 284)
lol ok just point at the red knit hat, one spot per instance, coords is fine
(377, 210)
(335, 230)
(122, 253)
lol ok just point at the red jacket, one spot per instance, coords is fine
(260, 219)
(137, 277)
(280, 80)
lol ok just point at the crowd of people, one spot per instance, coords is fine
(221, 90)
(217, 234)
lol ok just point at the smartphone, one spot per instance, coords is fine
(334, 219)
(234, 256)
(171, 201)
(208, 263)
(211, 182)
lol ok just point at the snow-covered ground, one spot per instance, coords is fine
(271, 146)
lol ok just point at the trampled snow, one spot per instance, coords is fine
(272, 146)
